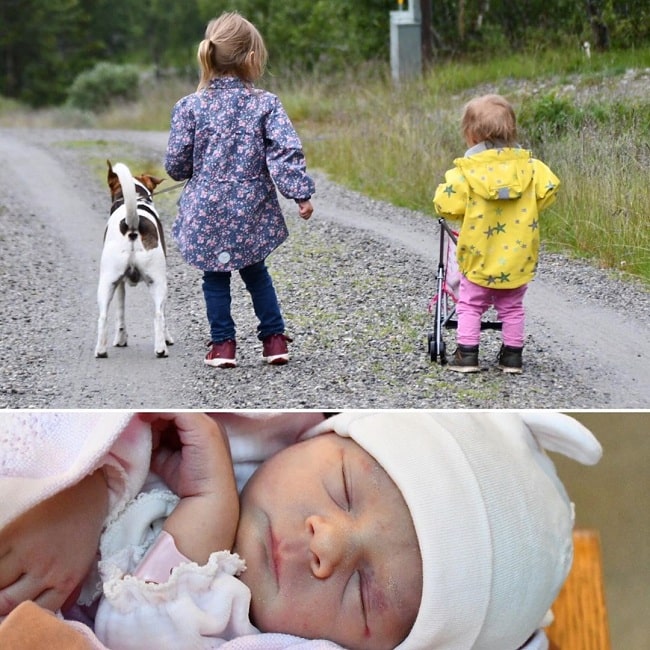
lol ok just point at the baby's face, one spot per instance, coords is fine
(330, 547)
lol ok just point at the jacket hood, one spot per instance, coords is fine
(498, 174)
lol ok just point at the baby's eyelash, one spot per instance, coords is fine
(362, 600)
(346, 490)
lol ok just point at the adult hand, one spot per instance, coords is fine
(47, 552)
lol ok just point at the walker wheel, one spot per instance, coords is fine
(443, 353)
(431, 346)
(436, 352)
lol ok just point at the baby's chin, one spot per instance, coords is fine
(267, 619)
(259, 613)
(261, 618)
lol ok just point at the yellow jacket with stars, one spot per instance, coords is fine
(498, 194)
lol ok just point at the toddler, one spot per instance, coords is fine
(235, 144)
(410, 530)
(498, 190)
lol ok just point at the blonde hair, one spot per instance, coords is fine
(490, 117)
(232, 47)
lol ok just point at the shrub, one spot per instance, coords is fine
(97, 88)
(548, 116)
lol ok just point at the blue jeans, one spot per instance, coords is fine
(216, 291)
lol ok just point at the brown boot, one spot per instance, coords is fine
(509, 359)
(465, 359)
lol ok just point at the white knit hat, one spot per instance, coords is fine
(493, 520)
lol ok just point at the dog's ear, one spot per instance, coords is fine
(113, 181)
(151, 182)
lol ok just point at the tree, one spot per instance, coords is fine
(427, 34)
(172, 30)
(42, 47)
(45, 44)
(599, 29)
(320, 35)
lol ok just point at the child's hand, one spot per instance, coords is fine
(305, 209)
(192, 455)
(46, 553)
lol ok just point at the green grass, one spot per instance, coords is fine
(603, 210)
(394, 142)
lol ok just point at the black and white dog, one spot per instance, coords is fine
(134, 251)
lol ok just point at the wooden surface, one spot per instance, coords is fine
(580, 610)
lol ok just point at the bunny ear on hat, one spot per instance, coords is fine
(553, 431)
(560, 433)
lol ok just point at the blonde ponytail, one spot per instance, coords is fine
(206, 64)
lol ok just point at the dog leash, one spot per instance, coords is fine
(169, 189)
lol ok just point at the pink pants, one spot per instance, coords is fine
(474, 300)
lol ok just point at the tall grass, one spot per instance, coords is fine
(603, 209)
(395, 141)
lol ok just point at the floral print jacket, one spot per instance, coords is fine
(235, 144)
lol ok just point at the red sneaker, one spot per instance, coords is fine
(275, 349)
(222, 355)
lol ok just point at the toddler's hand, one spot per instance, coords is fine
(305, 209)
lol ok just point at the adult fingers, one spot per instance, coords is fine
(19, 590)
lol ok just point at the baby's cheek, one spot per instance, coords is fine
(378, 601)
(270, 617)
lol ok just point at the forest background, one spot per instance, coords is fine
(585, 110)
(45, 44)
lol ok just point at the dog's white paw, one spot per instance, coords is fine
(161, 354)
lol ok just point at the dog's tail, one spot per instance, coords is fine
(129, 194)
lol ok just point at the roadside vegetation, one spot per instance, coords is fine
(588, 118)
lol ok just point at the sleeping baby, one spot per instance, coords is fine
(372, 530)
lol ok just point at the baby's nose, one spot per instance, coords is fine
(331, 544)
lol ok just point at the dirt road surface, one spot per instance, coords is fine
(354, 283)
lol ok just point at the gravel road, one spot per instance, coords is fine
(354, 283)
